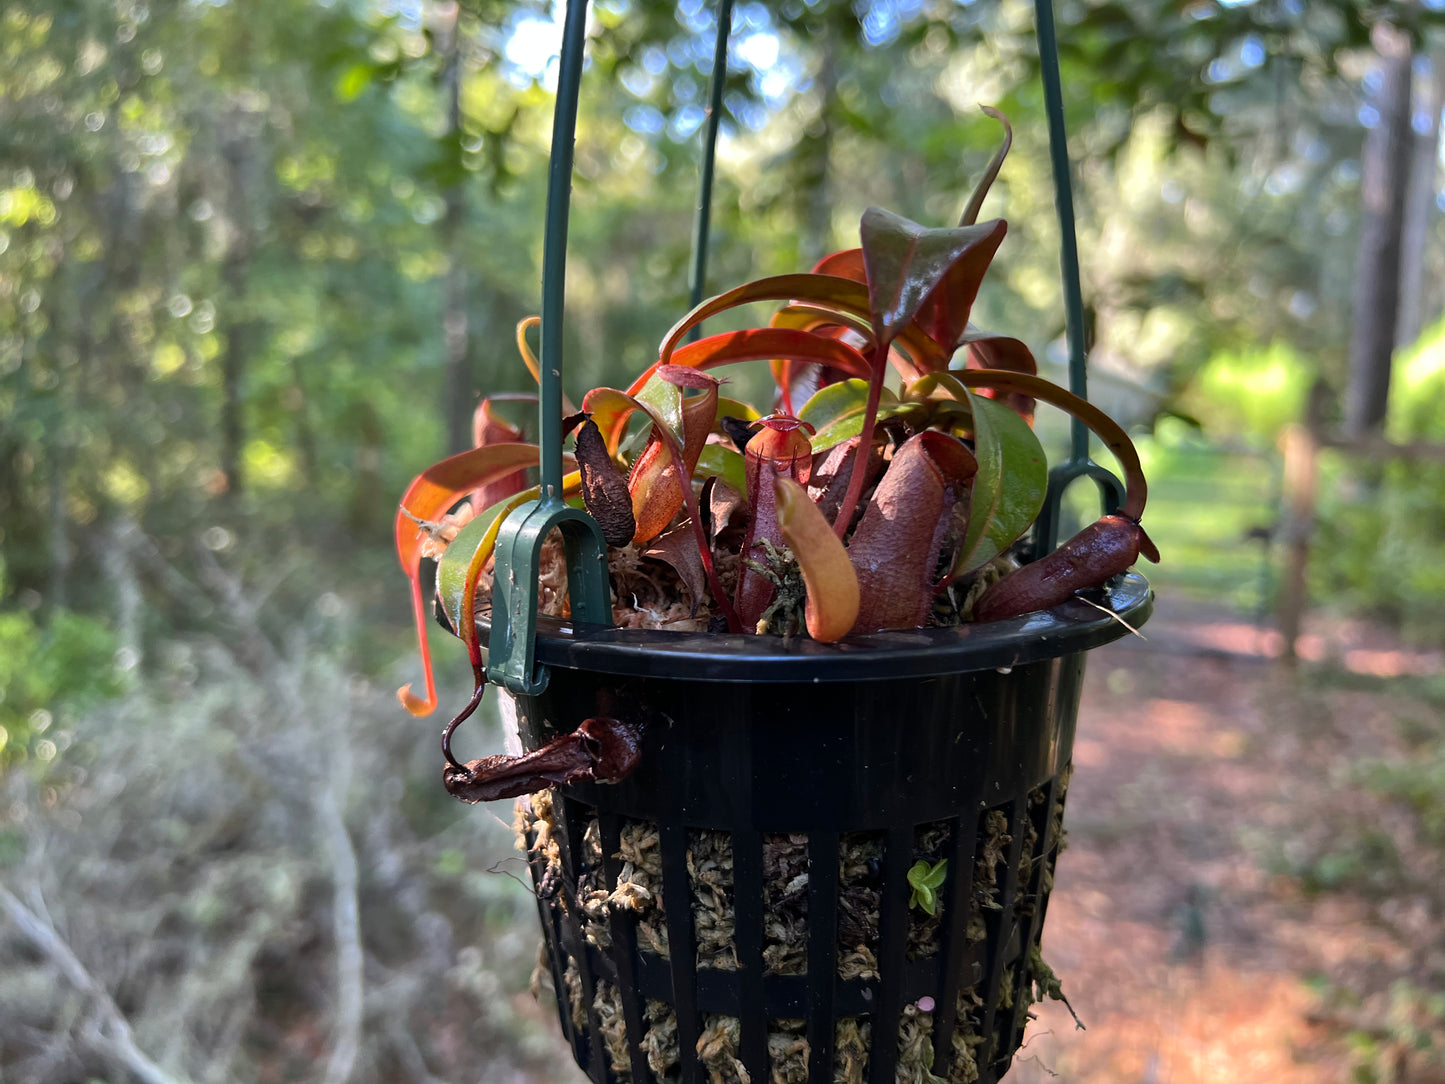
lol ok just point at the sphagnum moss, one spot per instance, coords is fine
(709, 863)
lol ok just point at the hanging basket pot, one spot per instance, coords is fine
(830, 863)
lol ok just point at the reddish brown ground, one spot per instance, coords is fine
(1202, 764)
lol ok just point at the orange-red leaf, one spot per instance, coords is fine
(428, 497)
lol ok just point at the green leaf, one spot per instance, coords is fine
(836, 412)
(352, 83)
(665, 399)
(442, 485)
(475, 540)
(735, 408)
(717, 461)
(928, 274)
(926, 880)
(1008, 490)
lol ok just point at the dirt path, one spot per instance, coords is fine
(1200, 766)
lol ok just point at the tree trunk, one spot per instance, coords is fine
(61, 552)
(1385, 169)
(1420, 210)
(460, 390)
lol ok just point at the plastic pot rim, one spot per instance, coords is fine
(1073, 626)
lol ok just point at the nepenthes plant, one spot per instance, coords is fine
(890, 483)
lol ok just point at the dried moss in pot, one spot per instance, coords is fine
(786, 869)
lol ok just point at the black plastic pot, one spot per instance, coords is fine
(809, 779)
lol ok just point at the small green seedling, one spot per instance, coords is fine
(926, 881)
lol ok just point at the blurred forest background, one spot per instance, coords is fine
(257, 261)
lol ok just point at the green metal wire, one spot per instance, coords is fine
(702, 222)
(1064, 205)
(554, 246)
(511, 648)
(1111, 490)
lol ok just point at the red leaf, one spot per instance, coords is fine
(780, 447)
(895, 548)
(931, 275)
(989, 351)
(656, 482)
(489, 429)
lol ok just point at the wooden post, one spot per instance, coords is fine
(1301, 483)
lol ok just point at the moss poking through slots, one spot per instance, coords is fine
(785, 904)
(967, 1036)
(860, 883)
(852, 1040)
(659, 1041)
(788, 1052)
(710, 875)
(639, 885)
(607, 1007)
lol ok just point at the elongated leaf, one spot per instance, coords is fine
(985, 350)
(443, 485)
(847, 264)
(989, 350)
(489, 428)
(757, 344)
(428, 498)
(831, 608)
(912, 353)
(931, 275)
(836, 412)
(529, 359)
(826, 289)
(990, 174)
(1136, 489)
(473, 546)
(1008, 490)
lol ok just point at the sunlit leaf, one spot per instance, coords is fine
(1008, 488)
(757, 344)
(931, 275)
(717, 461)
(831, 607)
(1136, 488)
(474, 545)
(427, 499)
(836, 412)
(827, 289)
